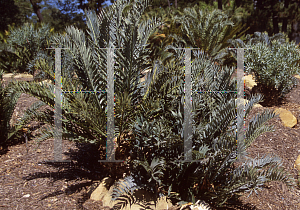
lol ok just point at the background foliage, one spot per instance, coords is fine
(22, 45)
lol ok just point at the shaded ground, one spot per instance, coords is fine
(27, 183)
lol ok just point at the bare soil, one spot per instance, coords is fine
(27, 182)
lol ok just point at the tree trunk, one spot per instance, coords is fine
(259, 5)
(37, 11)
(169, 4)
(220, 4)
(275, 24)
(284, 25)
(274, 17)
(238, 3)
(176, 4)
(295, 35)
(285, 19)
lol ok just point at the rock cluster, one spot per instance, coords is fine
(249, 81)
(199, 205)
(287, 118)
(105, 188)
(297, 163)
(17, 76)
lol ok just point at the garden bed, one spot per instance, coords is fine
(26, 182)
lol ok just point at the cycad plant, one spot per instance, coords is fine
(221, 172)
(208, 30)
(115, 27)
(198, 27)
(160, 38)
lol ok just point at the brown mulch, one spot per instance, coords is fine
(27, 182)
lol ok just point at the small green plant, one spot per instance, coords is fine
(273, 60)
(8, 100)
(7, 105)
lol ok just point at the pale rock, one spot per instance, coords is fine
(8, 75)
(104, 190)
(17, 76)
(297, 163)
(143, 79)
(46, 82)
(199, 205)
(287, 118)
(297, 76)
(254, 106)
(26, 196)
(146, 73)
(249, 81)
(28, 76)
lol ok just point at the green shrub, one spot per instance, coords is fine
(23, 43)
(273, 60)
(8, 100)
(8, 59)
(7, 106)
